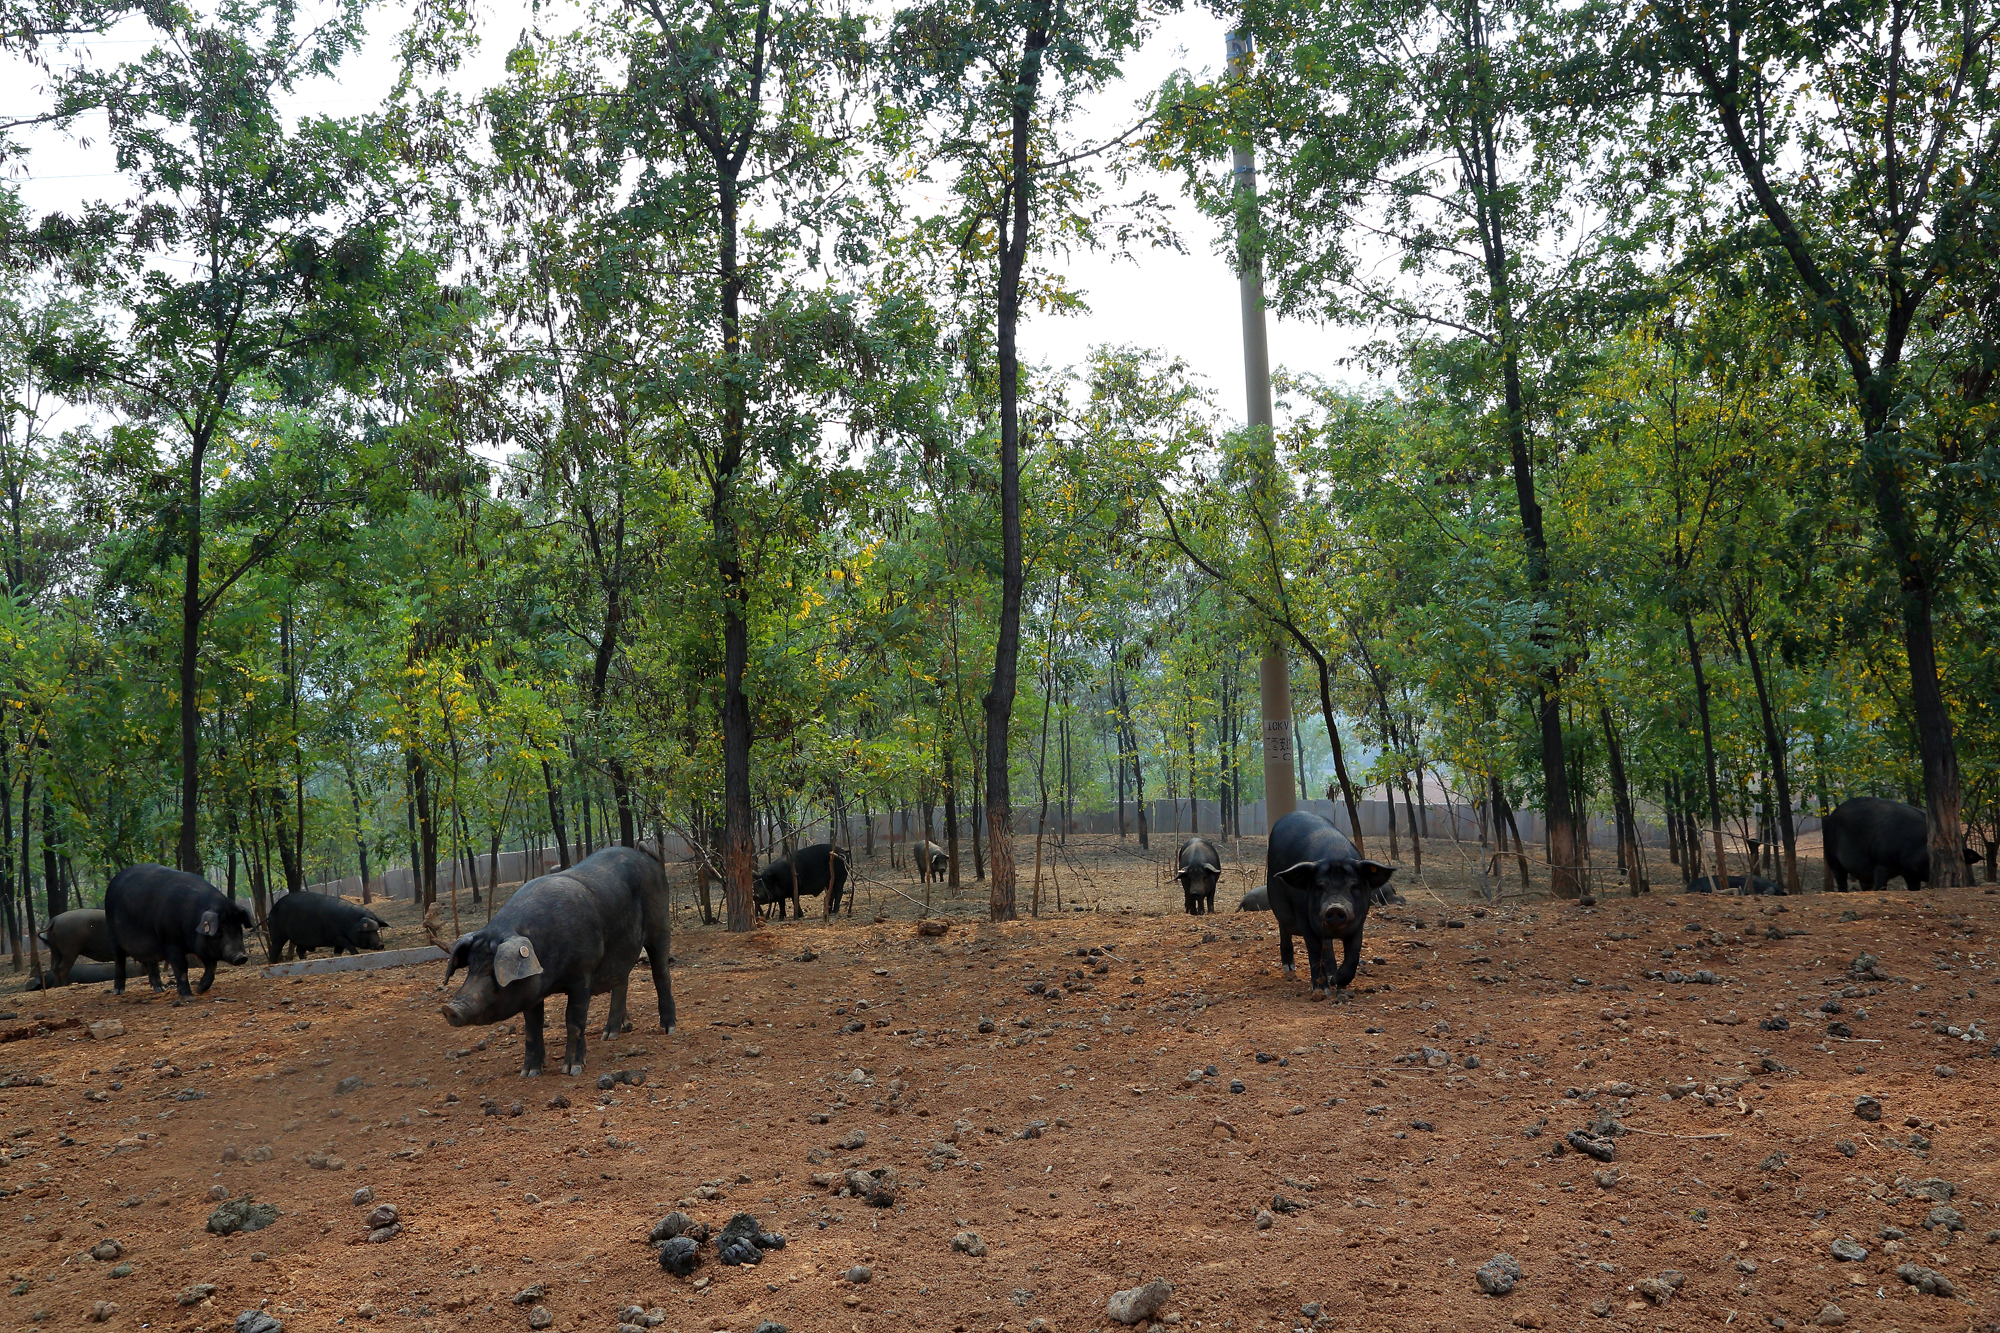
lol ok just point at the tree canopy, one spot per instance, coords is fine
(655, 443)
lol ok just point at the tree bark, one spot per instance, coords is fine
(739, 851)
(1774, 753)
(1721, 871)
(1878, 391)
(1480, 159)
(52, 880)
(187, 854)
(999, 701)
(556, 814)
(950, 818)
(1621, 796)
(360, 836)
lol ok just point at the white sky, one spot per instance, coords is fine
(1184, 305)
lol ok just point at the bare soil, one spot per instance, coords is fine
(1412, 1129)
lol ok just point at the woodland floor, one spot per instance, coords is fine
(1091, 1153)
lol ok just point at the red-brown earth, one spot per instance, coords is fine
(1079, 1138)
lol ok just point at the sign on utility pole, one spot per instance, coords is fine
(1274, 671)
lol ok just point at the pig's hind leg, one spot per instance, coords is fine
(533, 1050)
(576, 1015)
(616, 1022)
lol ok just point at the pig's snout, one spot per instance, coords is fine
(239, 958)
(453, 1014)
(1337, 913)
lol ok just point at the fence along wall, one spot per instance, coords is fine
(1165, 820)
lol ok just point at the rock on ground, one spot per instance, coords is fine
(1497, 1276)
(1139, 1303)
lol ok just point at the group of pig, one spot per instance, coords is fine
(154, 907)
(579, 932)
(576, 933)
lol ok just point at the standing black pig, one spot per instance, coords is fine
(157, 915)
(576, 933)
(1875, 841)
(810, 871)
(931, 861)
(1200, 866)
(1320, 887)
(74, 935)
(309, 921)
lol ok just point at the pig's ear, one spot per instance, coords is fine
(1214, 870)
(460, 956)
(515, 960)
(211, 921)
(1373, 873)
(1297, 875)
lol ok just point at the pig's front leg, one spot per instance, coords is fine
(1285, 949)
(1316, 964)
(533, 1052)
(207, 978)
(575, 1015)
(1350, 960)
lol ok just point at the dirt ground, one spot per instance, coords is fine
(1394, 1141)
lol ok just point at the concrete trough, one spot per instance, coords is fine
(356, 962)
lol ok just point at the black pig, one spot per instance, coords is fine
(309, 921)
(1875, 841)
(157, 915)
(1320, 887)
(576, 933)
(1200, 866)
(811, 871)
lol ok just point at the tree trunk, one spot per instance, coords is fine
(427, 834)
(1333, 740)
(556, 814)
(1935, 742)
(7, 850)
(999, 701)
(471, 848)
(52, 880)
(1621, 796)
(1409, 809)
(739, 851)
(1503, 814)
(951, 819)
(1721, 872)
(187, 855)
(288, 852)
(1774, 753)
(1139, 791)
(360, 836)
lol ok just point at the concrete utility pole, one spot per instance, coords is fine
(1274, 671)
